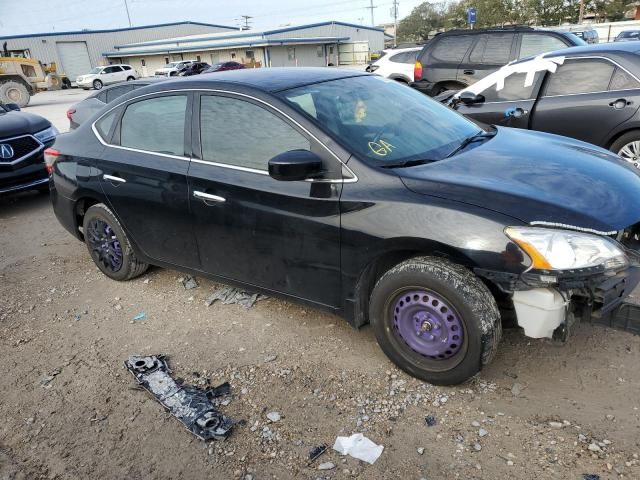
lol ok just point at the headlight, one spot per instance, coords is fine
(47, 134)
(565, 250)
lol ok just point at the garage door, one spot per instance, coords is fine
(75, 59)
(354, 53)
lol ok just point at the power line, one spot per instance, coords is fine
(371, 7)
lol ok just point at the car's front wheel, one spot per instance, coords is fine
(435, 320)
(97, 84)
(628, 147)
(109, 246)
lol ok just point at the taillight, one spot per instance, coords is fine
(70, 113)
(417, 71)
(50, 157)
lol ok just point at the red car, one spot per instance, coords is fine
(221, 67)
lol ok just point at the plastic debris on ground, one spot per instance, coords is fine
(358, 446)
(430, 420)
(139, 317)
(590, 476)
(189, 283)
(192, 406)
(316, 452)
(228, 295)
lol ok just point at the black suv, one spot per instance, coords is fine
(23, 138)
(458, 58)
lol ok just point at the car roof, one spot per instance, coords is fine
(265, 79)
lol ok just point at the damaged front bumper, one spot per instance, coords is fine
(547, 304)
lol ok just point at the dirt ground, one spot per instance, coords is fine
(69, 409)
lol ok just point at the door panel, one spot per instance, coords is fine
(505, 114)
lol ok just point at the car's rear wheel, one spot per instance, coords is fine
(109, 245)
(435, 320)
(97, 84)
(628, 147)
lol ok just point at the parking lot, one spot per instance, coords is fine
(70, 410)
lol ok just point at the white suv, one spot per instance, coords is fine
(172, 69)
(396, 64)
(106, 75)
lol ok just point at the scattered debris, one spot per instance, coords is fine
(316, 452)
(590, 476)
(77, 317)
(45, 381)
(420, 450)
(516, 389)
(189, 283)
(430, 420)
(139, 317)
(273, 416)
(477, 447)
(228, 295)
(189, 404)
(326, 466)
(358, 446)
(270, 358)
(482, 432)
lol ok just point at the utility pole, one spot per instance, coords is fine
(126, 6)
(581, 15)
(245, 19)
(371, 7)
(394, 13)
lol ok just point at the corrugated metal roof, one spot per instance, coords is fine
(88, 32)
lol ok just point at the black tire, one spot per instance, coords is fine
(129, 79)
(472, 301)
(130, 266)
(97, 84)
(628, 139)
(66, 83)
(14, 92)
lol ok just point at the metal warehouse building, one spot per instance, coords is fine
(319, 44)
(76, 53)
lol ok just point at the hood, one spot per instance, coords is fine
(13, 124)
(537, 177)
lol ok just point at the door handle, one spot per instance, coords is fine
(469, 72)
(515, 112)
(620, 103)
(112, 179)
(207, 197)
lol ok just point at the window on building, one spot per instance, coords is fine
(197, 58)
(258, 134)
(331, 49)
(291, 53)
(166, 60)
(250, 54)
(581, 76)
(320, 51)
(233, 54)
(144, 64)
(155, 125)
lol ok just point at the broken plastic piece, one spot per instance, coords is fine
(189, 283)
(230, 295)
(590, 476)
(316, 452)
(358, 446)
(190, 405)
(220, 391)
(430, 420)
(139, 317)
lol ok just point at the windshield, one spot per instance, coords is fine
(381, 120)
(96, 70)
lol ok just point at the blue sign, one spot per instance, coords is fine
(471, 15)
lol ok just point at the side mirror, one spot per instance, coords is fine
(469, 98)
(295, 165)
(13, 106)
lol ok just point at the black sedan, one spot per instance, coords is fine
(23, 138)
(195, 68)
(591, 93)
(356, 195)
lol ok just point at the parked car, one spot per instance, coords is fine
(396, 64)
(85, 109)
(224, 66)
(590, 36)
(106, 75)
(23, 139)
(171, 69)
(593, 95)
(309, 184)
(195, 68)
(628, 36)
(458, 58)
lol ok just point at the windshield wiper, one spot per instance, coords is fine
(407, 163)
(481, 135)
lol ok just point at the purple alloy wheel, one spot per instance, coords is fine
(427, 324)
(105, 246)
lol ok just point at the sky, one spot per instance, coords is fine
(44, 16)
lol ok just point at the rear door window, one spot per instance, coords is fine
(580, 76)
(452, 49)
(155, 125)
(537, 43)
(493, 49)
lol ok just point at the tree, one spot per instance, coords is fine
(422, 20)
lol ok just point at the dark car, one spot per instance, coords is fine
(195, 68)
(85, 109)
(628, 36)
(224, 66)
(593, 95)
(589, 36)
(309, 184)
(23, 139)
(459, 58)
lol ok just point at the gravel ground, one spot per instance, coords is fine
(69, 409)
